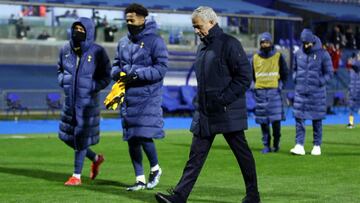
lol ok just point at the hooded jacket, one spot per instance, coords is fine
(269, 105)
(82, 77)
(311, 73)
(145, 55)
(354, 87)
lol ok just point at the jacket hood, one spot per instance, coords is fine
(89, 26)
(266, 36)
(307, 36)
(150, 28)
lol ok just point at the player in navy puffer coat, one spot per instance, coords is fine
(83, 70)
(143, 56)
(270, 73)
(312, 70)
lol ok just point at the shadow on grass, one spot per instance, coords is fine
(342, 143)
(99, 185)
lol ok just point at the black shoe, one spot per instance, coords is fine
(163, 198)
(251, 199)
(276, 149)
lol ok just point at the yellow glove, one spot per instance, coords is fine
(116, 95)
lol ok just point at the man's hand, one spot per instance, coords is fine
(128, 78)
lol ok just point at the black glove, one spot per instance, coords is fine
(129, 78)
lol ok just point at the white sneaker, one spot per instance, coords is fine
(298, 150)
(316, 150)
(154, 178)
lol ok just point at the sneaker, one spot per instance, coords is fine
(95, 166)
(266, 150)
(154, 178)
(172, 198)
(73, 181)
(298, 150)
(137, 186)
(316, 150)
(349, 126)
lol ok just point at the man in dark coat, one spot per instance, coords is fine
(83, 70)
(223, 74)
(270, 73)
(312, 70)
(141, 55)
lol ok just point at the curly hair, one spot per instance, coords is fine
(138, 9)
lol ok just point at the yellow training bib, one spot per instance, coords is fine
(266, 71)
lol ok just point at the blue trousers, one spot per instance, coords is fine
(300, 131)
(266, 135)
(80, 157)
(135, 144)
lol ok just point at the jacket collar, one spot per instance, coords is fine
(214, 32)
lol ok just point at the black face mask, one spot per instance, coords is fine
(307, 50)
(78, 37)
(266, 50)
(135, 29)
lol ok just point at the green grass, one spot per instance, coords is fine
(34, 170)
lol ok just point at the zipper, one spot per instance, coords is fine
(78, 62)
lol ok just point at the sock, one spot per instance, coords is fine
(78, 176)
(141, 178)
(351, 120)
(155, 168)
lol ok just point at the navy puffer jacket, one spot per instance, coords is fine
(311, 73)
(269, 105)
(354, 87)
(82, 78)
(146, 54)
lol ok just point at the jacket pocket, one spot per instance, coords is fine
(213, 105)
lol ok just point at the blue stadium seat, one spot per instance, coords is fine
(14, 104)
(188, 94)
(53, 101)
(172, 101)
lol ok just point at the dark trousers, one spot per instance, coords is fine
(135, 145)
(200, 148)
(300, 131)
(276, 128)
(80, 157)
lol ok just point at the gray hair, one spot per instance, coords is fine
(205, 13)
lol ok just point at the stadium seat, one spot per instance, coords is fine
(13, 103)
(172, 101)
(53, 102)
(188, 94)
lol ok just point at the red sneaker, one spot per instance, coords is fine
(73, 181)
(95, 166)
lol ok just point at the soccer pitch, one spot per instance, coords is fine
(33, 168)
